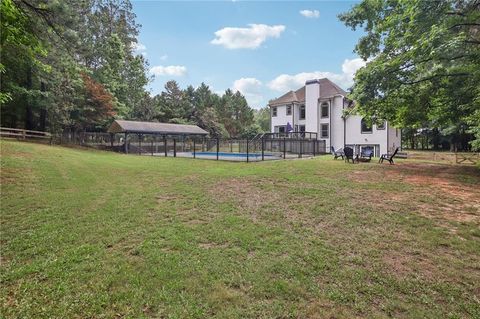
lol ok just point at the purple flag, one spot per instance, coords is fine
(289, 127)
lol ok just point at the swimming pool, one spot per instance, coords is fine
(232, 155)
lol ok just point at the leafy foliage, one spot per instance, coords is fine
(98, 107)
(48, 45)
(71, 65)
(424, 59)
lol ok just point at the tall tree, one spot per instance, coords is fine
(173, 104)
(47, 45)
(424, 59)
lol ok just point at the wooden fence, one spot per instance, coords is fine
(7, 132)
(446, 157)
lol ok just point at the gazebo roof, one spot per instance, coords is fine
(121, 126)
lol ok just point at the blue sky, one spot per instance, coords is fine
(262, 49)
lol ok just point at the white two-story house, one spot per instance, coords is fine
(318, 107)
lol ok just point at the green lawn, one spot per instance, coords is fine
(89, 234)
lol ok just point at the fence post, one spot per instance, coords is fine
(314, 148)
(156, 144)
(194, 144)
(165, 145)
(111, 140)
(247, 150)
(284, 147)
(152, 144)
(300, 151)
(218, 146)
(126, 143)
(263, 148)
(174, 147)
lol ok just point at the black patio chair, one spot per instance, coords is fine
(348, 151)
(338, 153)
(366, 155)
(388, 157)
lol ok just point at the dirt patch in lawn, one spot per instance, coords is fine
(272, 201)
(212, 245)
(438, 190)
(250, 196)
(403, 265)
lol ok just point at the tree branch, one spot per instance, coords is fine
(433, 77)
(428, 60)
(463, 24)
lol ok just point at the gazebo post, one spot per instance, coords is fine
(126, 143)
(139, 144)
(165, 144)
(151, 141)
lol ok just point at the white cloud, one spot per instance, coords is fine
(351, 66)
(139, 48)
(246, 38)
(310, 13)
(287, 82)
(171, 70)
(251, 89)
(164, 57)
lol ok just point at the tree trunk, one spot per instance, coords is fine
(28, 110)
(43, 112)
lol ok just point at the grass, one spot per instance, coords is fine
(90, 234)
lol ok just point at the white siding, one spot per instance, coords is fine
(297, 115)
(394, 138)
(356, 137)
(282, 118)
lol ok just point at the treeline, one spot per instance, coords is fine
(71, 65)
(448, 139)
(227, 116)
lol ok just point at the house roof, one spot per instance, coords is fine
(327, 89)
(121, 126)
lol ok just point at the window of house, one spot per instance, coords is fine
(289, 110)
(302, 112)
(274, 111)
(381, 126)
(366, 126)
(324, 131)
(324, 110)
(281, 129)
